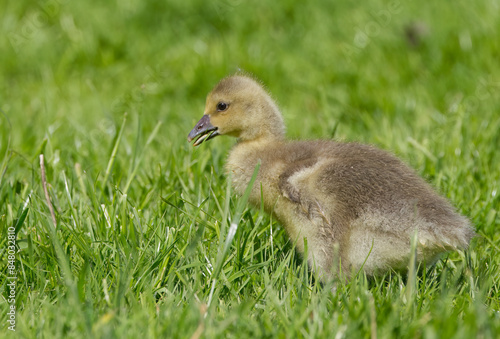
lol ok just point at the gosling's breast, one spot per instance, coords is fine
(241, 164)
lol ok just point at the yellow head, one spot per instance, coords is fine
(238, 106)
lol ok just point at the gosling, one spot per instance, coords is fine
(358, 207)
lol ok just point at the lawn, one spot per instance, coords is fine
(140, 248)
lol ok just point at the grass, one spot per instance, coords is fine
(108, 93)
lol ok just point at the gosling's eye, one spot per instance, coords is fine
(222, 106)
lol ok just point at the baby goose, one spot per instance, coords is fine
(358, 206)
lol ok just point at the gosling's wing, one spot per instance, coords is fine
(298, 184)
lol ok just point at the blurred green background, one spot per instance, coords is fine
(419, 79)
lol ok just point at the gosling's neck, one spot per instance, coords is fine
(267, 138)
(267, 126)
(246, 154)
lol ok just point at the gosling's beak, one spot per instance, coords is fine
(202, 131)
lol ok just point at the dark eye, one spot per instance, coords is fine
(222, 106)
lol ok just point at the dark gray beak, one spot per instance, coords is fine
(202, 131)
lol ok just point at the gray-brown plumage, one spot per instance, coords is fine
(358, 206)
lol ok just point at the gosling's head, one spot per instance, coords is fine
(238, 106)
